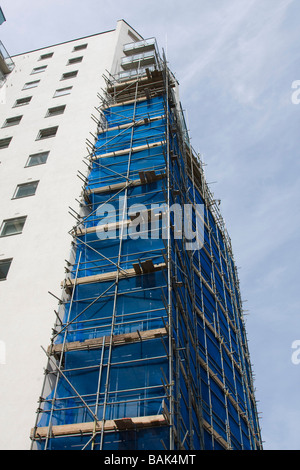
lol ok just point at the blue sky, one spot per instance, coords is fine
(235, 61)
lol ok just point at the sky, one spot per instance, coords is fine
(236, 62)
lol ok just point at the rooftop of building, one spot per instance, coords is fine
(139, 37)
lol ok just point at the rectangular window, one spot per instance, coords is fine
(67, 75)
(4, 268)
(80, 47)
(31, 84)
(56, 111)
(39, 69)
(46, 133)
(14, 121)
(22, 101)
(37, 159)
(12, 226)
(26, 189)
(63, 91)
(76, 60)
(4, 143)
(46, 56)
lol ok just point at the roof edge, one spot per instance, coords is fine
(66, 42)
(138, 34)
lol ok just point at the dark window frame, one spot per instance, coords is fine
(40, 69)
(56, 110)
(46, 56)
(69, 75)
(36, 155)
(80, 47)
(13, 121)
(21, 101)
(62, 94)
(6, 221)
(34, 84)
(3, 142)
(47, 133)
(28, 183)
(3, 275)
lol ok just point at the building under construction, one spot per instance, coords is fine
(149, 349)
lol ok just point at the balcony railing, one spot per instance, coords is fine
(140, 46)
(2, 17)
(133, 73)
(139, 60)
(6, 62)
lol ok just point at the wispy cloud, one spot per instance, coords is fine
(237, 48)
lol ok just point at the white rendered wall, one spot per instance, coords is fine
(39, 253)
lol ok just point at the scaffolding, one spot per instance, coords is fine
(6, 63)
(149, 349)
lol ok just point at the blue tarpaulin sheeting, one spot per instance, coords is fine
(128, 378)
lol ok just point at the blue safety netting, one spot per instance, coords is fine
(126, 380)
(138, 305)
(124, 113)
(120, 139)
(113, 169)
(154, 438)
(98, 256)
(133, 388)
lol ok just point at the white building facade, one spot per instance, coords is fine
(47, 115)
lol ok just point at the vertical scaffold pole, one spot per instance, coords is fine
(169, 260)
(117, 278)
(61, 356)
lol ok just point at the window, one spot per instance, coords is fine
(46, 56)
(75, 60)
(39, 69)
(46, 133)
(4, 143)
(14, 121)
(22, 101)
(63, 91)
(67, 75)
(31, 84)
(4, 268)
(56, 111)
(12, 226)
(26, 189)
(37, 159)
(80, 47)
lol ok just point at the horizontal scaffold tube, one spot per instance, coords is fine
(147, 214)
(140, 122)
(129, 150)
(119, 186)
(90, 427)
(117, 340)
(146, 267)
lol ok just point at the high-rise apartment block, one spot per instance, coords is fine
(121, 321)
